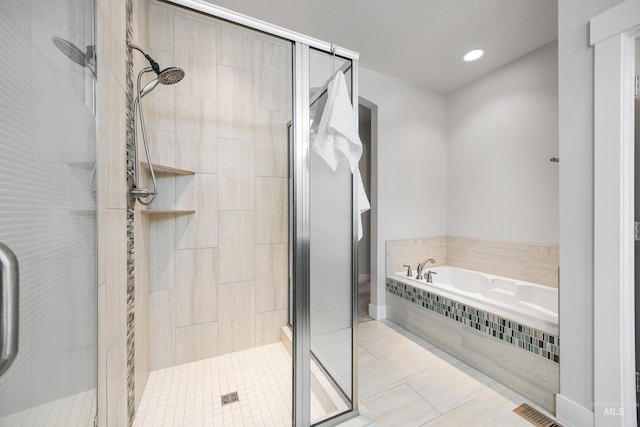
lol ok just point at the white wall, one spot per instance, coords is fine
(503, 129)
(576, 204)
(411, 164)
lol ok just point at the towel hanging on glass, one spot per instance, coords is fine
(337, 136)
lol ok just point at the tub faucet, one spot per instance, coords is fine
(421, 267)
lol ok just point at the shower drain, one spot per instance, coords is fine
(535, 417)
(229, 398)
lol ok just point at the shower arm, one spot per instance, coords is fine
(154, 65)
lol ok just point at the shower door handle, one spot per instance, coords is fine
(9, 307)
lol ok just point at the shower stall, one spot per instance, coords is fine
(248, 270)
(227, 297)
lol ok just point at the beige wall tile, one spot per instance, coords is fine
(111, 38)
(528, 262)
(141, 233)
(162, 148)
(159, 106)
(102, 353)
(433, 327)
(161, 28)
(521, 261)
(140, 34)
(195, 52)
(237, 254)
(117, 382)
(142, 326)
(114, 163)
(235, 47)
(162, 259)
(269, 325)
(272, 143)
(414, 251)
(196, 342)
(236, 174)
(273, 75)
(162, 329)
(272, 211)
(199, 230)
(236, 311)
(165, 187)
(101, 217)
(272, 277)
(528, 374)
(116, 284)
(236, 117)
(196, 146)
(196, 286)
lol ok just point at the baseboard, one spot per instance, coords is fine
(378, 312)
(572, 414)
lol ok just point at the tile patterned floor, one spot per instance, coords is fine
(405, 381)
(73, 411)
(190, 394)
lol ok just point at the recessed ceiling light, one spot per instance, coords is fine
(473, 55)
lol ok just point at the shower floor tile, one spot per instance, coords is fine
(190, 394)
(77, 410)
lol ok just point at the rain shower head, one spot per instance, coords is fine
(74, 53)
(70, 50)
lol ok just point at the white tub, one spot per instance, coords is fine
(524, 302)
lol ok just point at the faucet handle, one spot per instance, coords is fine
(409, 272)
(430, 276)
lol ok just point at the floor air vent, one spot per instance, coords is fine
(229, 398)
(535, 417)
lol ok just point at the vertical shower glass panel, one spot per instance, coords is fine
(331, 245)
(48, 208)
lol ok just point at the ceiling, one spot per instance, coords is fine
(420, 41)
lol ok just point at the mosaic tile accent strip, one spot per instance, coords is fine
(525, 337)
(131, 399)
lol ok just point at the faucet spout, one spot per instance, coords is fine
(421, 267)
(423, 263)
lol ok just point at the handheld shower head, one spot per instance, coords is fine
(149, 87)
(171, 75)
(168, 76)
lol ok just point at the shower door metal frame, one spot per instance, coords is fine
(301, 345)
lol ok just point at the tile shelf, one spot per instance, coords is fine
(168, 211)
(167, 170)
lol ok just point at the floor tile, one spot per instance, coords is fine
(400, 406)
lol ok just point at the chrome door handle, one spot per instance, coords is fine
(9, 307)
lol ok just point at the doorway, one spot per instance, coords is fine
(364, 245)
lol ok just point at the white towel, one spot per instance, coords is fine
(337, 136)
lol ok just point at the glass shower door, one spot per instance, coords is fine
(331, 256)
(48, 210)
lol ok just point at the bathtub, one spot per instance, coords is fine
(505, 328)
(523, 302)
